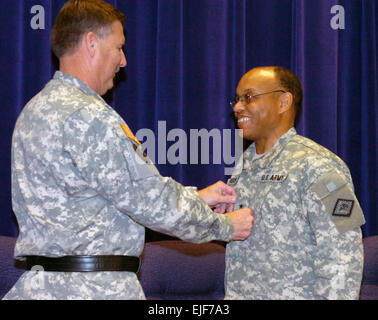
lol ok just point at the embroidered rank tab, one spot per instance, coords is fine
(343, 208)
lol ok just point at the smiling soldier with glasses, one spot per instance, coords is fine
(247, 98)
(306, 241)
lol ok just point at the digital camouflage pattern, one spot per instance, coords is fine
(81, 186)
(306, 238)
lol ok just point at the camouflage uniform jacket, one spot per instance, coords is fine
(306, 238)
(80, 186)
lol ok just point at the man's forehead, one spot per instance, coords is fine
(112, 32)
(117, 30)
(257, 78)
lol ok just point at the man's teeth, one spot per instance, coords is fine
(244, 119)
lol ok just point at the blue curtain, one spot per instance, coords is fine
(185, 58)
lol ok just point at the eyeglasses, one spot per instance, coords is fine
(247, 98)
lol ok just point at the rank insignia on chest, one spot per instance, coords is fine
(233, 180)
(343, 208)
(273, 177)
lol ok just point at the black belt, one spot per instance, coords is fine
(83, 263)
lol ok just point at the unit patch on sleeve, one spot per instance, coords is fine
(339, 201)
(343, 208)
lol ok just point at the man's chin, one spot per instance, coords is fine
(248, 136)
(108, 88)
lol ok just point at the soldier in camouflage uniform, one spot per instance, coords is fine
(306, 240)
(80, 183)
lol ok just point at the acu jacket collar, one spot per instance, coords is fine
(264, 161)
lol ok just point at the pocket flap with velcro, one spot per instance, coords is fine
(340, 202)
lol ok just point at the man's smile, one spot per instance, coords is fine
(244, 119)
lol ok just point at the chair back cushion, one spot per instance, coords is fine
(369, 288)
(9, 274)
(174, 269)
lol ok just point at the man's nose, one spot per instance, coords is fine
(123, 60)
(238, 106)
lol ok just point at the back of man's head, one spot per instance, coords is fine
(77, 18)
(290, 82)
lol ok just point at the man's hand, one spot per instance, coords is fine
(242, 220)
(218, 196)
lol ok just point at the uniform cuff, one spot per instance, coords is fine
(223, 228)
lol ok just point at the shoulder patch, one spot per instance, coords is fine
(340, 202)
(343, 208)
(129, 134)
(140, 166)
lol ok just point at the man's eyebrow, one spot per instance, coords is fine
(248, 90)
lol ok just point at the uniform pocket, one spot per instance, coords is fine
(140, 166)
(339, 201)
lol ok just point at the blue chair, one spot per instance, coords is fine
(369, 287)
(175, 269)
(9, 273)
(170, 270)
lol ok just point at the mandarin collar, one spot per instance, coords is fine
(67, 78)
(264, 161)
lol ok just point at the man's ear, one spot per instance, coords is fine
(91, 43)
(286, 102)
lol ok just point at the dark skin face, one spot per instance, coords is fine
(267, 117)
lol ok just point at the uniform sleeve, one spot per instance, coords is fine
(106, 160)
(335, 217)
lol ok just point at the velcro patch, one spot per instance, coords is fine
(343, 208)
(340, 202)
(140, 166)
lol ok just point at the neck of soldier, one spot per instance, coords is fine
(78, 67)
(264, 144)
